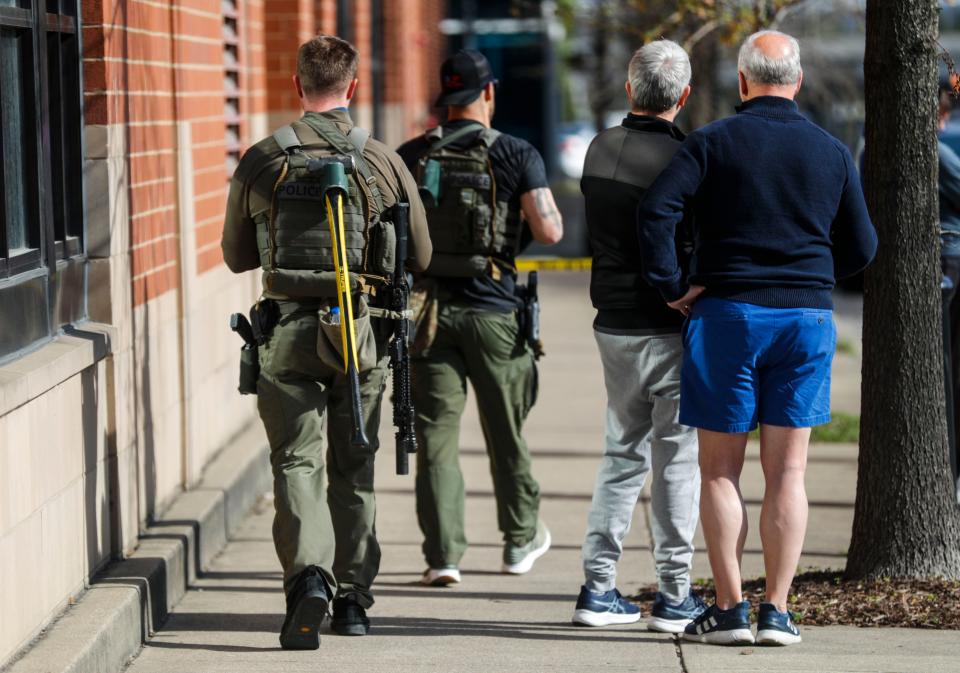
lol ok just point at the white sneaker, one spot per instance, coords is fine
(519, 560)
(440, 577)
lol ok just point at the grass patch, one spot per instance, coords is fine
(846, 347)
(842, 428)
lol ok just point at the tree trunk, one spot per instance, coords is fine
(701, 108)
(600, 96)
(907, 522)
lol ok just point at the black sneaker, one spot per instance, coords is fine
(306, 608)
(349, 617)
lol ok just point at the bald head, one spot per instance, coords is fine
(769, 65)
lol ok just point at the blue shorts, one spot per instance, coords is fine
(744, 364)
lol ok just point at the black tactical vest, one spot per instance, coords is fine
(471, 230)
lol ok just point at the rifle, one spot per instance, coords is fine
(335, 178)
(403, 414)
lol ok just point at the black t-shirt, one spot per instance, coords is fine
(517, 169)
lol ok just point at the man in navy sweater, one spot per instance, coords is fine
(779, 215)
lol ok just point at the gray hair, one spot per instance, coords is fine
(759, 68)
(658, 74)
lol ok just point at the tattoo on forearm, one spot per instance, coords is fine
(546, 206)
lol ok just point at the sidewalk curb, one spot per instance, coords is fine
(130, 599)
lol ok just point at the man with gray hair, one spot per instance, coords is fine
(779, 216)
(640, 347)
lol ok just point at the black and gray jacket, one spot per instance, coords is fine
(621, 164)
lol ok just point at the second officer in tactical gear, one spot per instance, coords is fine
(485, 192)
(324, 528)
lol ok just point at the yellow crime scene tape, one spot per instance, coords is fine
(554, 263)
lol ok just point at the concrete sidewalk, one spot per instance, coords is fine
(230, 619)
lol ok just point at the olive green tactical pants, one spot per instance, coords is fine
(324, 522)
(485, 347)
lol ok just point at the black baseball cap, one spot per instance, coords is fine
(463, 77)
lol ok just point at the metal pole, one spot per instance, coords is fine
(551, 103)
(469, 16)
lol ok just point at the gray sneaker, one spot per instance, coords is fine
(518, 560)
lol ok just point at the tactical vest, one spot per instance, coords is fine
(472, 232)
(293, 238)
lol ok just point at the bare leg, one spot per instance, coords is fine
(722, 512)
(783, 519)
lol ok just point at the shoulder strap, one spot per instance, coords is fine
(287, 139)
(359, 138)
(489, 136)
(439, 141)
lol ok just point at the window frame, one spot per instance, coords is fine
(52, 272)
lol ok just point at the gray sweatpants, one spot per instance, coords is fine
(642, 376)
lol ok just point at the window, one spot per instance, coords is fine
(42, 280)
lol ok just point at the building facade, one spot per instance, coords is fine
(121, 122)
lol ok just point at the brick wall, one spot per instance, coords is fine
(414, 54)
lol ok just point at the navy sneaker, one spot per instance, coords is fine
(776, 628)
(604, 609)
(721, 627)
(673, 618)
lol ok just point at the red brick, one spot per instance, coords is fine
(151, 138)
(148, 168)
(151, 286)
(209, 181)
(208, 157)
(209, 259)
(209, 234)
(209, 207)
(152, 255)
(152, 196)
(151, 227)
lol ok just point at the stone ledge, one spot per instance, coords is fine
(65, 356)
(130, 599)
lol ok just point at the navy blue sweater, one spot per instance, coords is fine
(778, 211)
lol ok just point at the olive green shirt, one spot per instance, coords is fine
(252, 185)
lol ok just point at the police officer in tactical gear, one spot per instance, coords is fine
(485, 192)
(324, 528)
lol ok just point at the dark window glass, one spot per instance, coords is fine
(72, 133)
(42, 275)
(54, 103)
(14, 136)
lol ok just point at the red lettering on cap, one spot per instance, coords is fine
(453, 81)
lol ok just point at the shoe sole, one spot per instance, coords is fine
(731, 637)
(303, 632)
(664, 625)
(349, 629)
(775, 637)
(441, 581)
(591, 618)
(526, 564)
